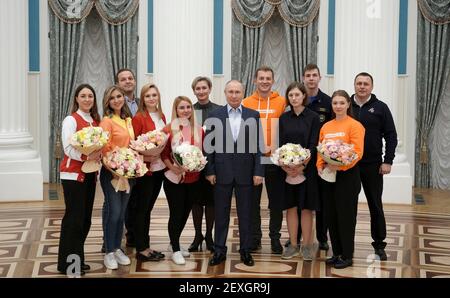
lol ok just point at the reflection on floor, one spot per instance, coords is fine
(418, 246)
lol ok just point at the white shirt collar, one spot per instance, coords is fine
(239, 108)
(358, 101)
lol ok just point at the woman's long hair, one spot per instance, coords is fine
(107, 110)
(142, 108)
(176, 123)
(300, 87)
(75, 106)
(344, 94)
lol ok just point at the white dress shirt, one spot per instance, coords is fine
(235, 117)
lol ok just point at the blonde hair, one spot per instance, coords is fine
(107, 110)
(176, 128)
(142, 108)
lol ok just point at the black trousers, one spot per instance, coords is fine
(275, 214)
(372, 183)
(147, 189)
(321, 218)
(180, 198)
(75, 225)
(222, 201)
(341, 203)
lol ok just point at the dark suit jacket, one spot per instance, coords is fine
(235, 161)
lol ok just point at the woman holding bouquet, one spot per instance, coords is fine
(341, 196)
(117, 121)
(78, 187)
(180, 194)
(149, 117)
(300, 126)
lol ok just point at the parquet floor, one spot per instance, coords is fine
(418, 244)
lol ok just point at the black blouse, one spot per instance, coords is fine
(300, 129)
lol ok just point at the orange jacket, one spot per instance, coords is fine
(349, 131)
(268, 109)
(120, 135)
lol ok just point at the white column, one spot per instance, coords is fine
(20, 166)
(367, 40)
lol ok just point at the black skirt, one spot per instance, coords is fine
(304, 195)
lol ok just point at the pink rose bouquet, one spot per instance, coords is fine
(151, 143)
(335, 152)
(124, 163)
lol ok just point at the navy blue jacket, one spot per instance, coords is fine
(322, 106)
(377, 119)
(230, 164)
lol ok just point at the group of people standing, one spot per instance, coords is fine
(305, 116)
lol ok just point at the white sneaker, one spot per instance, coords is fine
(110, 261)
(184, 252)
(177, 258)
(121, 258)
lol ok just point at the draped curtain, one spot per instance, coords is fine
(66, 42)
(67, 19)
(121, 42)
(249, 18)
(433, 70)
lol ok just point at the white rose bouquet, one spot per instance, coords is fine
(188, 157)
(292, 156)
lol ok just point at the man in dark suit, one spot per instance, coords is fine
(234, 163)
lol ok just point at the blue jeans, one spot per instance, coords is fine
(113, 213)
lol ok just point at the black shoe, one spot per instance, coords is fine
(146, 258)
(196, 244)
(342, 263)
(255, 247)
(209, 243)
(276, 247)
(332, 260)
(158, 254)
(217, 259)
(381, 253)
(324, 245)
(85, 267)
(247, 259)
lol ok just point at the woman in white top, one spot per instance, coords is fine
(79, 187)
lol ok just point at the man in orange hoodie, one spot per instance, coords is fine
(270, 106)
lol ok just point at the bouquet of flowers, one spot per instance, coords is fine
(335, 152)
(151, 143)
(188, 157)
(291, 155)
(88, 140)
(124, 163)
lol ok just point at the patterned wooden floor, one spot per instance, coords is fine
(418, 246)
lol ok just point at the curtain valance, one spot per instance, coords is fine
(435, 11)
(255, 13)
(114, 12)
